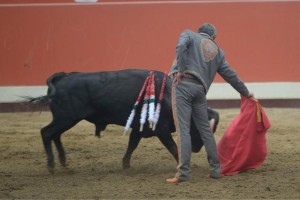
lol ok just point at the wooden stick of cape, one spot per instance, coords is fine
(145, 103)
(158, 106)
(132, 114)
(151, 101)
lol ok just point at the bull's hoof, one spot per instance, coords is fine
(63, 161)
(50, 167)
(51, 170)
(126, 166)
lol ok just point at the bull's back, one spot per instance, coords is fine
(108, 97)
(118, 91)
(114, 94)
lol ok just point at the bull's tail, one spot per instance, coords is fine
(36, 103)
(46, 99)
(40, 101)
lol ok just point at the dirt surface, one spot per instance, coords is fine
(95, 172)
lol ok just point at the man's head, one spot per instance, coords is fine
(209, 29)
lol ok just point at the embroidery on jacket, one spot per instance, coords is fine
(208, 49)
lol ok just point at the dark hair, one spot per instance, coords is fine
(207, 28)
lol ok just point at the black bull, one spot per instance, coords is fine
(104, 98)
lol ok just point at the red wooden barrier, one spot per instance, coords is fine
(260, 39)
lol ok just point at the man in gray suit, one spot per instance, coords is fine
(198, 59)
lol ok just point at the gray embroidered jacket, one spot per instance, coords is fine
(199, 55)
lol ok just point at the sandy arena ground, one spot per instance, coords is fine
(95, 172)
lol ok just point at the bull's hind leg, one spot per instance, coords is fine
(134, 139)
(47, 145)
(61, 151)
(53, 132)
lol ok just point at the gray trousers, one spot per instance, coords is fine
(189, 102)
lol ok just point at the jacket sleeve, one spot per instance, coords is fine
(230, 76)
(181, 50)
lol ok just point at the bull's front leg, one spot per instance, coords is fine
(166, 138)
(99, 128)
(134, 140)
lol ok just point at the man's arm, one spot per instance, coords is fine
(181, 50)
(230, 76)
(181, 56)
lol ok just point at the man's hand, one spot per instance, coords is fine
(250, 95)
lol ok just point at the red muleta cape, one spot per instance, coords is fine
(243, 145)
